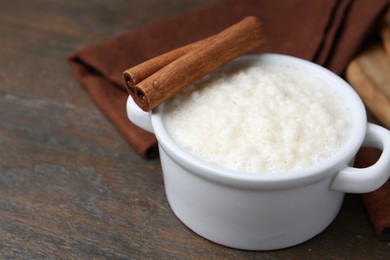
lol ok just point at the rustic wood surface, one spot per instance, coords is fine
(70, 186)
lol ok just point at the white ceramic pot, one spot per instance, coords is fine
(268, 211)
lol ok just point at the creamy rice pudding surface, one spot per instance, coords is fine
(259, 118)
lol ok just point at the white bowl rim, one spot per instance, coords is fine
(274, 179)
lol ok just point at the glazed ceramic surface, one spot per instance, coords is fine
(270, 210)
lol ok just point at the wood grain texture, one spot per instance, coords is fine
(369, 75)
(70, 186)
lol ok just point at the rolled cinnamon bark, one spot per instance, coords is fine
(136, 74)
(196, 62)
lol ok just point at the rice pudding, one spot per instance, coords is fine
(259, 117)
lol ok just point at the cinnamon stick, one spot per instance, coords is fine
(197, 61)
(136, 74)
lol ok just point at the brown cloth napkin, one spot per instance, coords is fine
(377, 203)
(328, 32)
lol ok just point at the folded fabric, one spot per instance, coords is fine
(377, 203)
(328, 32)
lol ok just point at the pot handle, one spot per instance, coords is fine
(137, 116)
(356, 180)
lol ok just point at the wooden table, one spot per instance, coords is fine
(70, 186)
